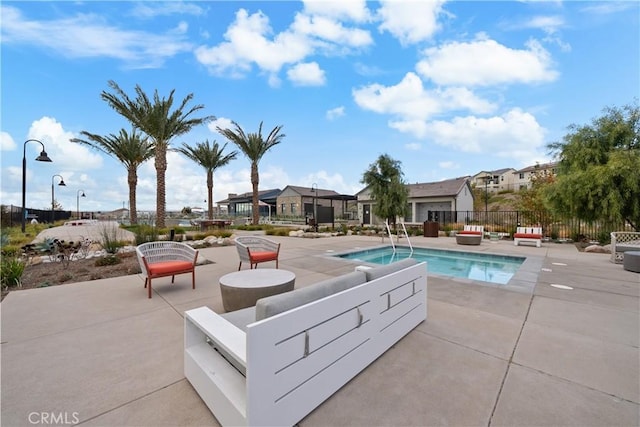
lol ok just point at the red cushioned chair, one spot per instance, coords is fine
(166, 258)
(256, 249)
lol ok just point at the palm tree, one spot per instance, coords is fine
(210, 158)
(253, 147)
(161, 125)
(130, 149)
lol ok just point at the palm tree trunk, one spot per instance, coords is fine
(161, 168)
(132, 179)
(210, 194)
(255, 180)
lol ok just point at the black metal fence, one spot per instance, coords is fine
(11, 215)
(553, 226)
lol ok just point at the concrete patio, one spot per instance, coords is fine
(101, 353)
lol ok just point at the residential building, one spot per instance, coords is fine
(309, 202)
(523, 177)
(426, 202)
(241, 204)
(495, 181)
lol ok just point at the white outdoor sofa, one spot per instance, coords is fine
(621, 242)
(529, 235)
(274, 363)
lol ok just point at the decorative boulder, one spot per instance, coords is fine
(597, 249)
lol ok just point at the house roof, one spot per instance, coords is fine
(538, 166)
(310, 192)
(262, 195)
(501, 171)
(448, 187)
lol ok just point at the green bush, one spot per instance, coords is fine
(145, 233)
(283, 231)
(11, 251)
(604, 237)
(11, 270)
(110, 242)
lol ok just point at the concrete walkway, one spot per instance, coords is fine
(87, 230)
(101, 353)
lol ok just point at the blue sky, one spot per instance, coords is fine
(447, 88)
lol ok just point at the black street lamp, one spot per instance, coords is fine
(314, 188)
(486, 196)
(78, 195)
(61, 184)
(41, 158)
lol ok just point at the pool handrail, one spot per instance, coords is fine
(404, 229)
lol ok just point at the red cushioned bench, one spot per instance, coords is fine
(166, 258)
(528, 234)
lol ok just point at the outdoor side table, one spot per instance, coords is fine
(631, 261)
(242, 289)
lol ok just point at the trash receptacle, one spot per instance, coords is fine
(431, 229)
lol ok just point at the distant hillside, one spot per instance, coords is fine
(502, 202)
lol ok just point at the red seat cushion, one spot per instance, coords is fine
(167, 268)
(479, 233)
(263, 256)
(527, 236)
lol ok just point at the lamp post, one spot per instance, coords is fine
(41, 158)
(314, 188)
(78, 195)
(62, 184)
(486, 196)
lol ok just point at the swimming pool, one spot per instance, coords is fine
(490, 268)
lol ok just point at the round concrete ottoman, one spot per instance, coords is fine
(631, 261)
(243, 288)
(468, 239)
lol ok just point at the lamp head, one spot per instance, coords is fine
(43, 157)
(62, 184)
(82, 195)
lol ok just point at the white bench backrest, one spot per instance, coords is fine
(529, 230)
(297, 359)
(479, 228)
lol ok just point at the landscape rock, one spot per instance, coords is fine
(597, 249)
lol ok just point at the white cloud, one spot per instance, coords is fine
(410, 21)
(491, 64)
(326, 181)
(411, 102)
(328, 29)
(250, 41)
(167, 8)
(515, 135)
(308, 74)
(353, 10)
(6, 142)
(449, 165)
(66, 154)
(247, 43)
(220, 122)
(334, 113)
(87, 36)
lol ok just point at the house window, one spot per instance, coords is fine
(282, 208)
(521, 176)
(293, 208)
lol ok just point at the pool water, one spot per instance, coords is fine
(497, 269)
